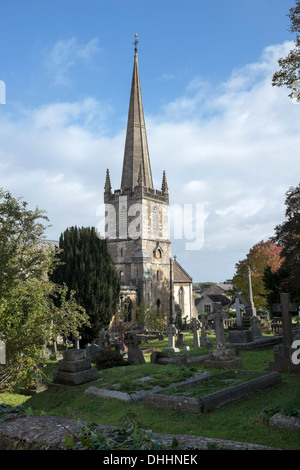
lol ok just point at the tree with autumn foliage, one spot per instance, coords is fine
(263, 255)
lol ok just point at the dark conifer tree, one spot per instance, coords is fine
(87, 268)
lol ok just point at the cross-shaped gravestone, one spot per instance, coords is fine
(171, 332)
(238, 306)
(285, 307)
(131, 340)
(196, 327)
(204, 339)
(135, 355)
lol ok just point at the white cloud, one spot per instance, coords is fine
(234, 149)
(65, 54)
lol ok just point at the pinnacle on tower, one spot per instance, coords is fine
(164, 186)
(107, 187)
(136, 146)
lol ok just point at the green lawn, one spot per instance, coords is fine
(243, 421)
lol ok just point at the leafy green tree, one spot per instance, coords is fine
(154, 320)
(261, 255)
(28, 317)
(86, 267)
(289, 73)
(287, 236)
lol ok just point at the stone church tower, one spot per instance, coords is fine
(137, 218)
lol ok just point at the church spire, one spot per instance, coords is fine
(136, 145)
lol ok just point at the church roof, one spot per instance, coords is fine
(179, 274)
(136, 155)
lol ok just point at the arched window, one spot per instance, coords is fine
(181, 299)
(158, 304)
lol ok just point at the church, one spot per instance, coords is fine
(137, 225)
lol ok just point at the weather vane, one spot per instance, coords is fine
(135, 42)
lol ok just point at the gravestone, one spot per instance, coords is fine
(196, 328)
(218, 323)
(221, 357)
(92, 352)
(239, 306)
(255, 331)
(171, 332)
(102, 340)
(135, 355)
(180, 340)
(204, 339)
(74, 368)
(283, 353)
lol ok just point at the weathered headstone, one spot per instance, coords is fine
(171, 332)
(180, 340)
(74, 368)
(196, 328)
(255, 331)
(283, 353)
(239, 306)
(135, 355)
(204, 339)
(102, 339)
(219, 326)
(221, 357)
(92, 351)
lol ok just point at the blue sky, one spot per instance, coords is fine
(227, 139)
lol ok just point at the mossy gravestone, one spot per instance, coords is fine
(74, 368)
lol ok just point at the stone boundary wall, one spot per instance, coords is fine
(42, 432)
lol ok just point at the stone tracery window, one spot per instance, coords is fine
(181, 299)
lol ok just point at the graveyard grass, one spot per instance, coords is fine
(243, 421)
